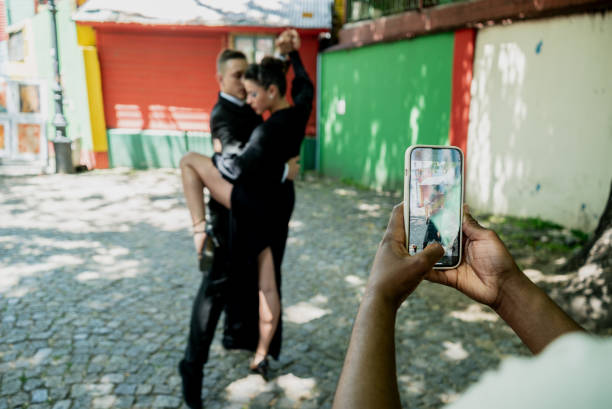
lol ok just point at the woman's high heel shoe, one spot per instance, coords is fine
(206, 255)
(262, 369)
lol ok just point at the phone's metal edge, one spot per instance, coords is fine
(407, 208)
(406, 195)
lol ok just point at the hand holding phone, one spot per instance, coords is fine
(433, 197)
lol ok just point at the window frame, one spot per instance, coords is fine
(254, 36)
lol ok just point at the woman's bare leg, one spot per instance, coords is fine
(197, 172)
(269, 305)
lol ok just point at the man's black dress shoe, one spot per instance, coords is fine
(192, 384)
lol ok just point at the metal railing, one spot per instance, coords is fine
(357, 10)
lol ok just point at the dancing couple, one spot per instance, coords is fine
(249, 179)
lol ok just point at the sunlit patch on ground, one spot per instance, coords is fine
(474, 313)
(243, 390)
(454, 351)
(306, 311)
(345, 192)
(289, 388)
(538, 277)
(354, 280)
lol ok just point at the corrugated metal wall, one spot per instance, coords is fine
(163, 81)
(166, 80)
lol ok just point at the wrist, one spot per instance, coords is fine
(377, 297)
(531, 314)
(514, 293)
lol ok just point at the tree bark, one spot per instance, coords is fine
(588, 297)
(605, 223)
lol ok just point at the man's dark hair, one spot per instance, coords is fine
(227, 55)
(270, 71)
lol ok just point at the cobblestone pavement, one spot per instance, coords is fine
(97, 276)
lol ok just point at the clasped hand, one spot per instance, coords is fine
(287, 41)
(485, 268)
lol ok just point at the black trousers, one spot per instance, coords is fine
(210, 299)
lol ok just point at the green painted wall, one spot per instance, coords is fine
(76, 109)
(138, 149)
(395, 95)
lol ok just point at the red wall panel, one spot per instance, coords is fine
(3, 22)
(166, 79)
(463, 60)
(308, 52)
(158, 80)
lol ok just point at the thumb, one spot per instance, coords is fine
(472, 229)
(427, 258)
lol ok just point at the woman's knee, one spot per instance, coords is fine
(191, 159)
(186, 160)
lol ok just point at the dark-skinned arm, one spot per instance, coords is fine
(489, 275)
(368, 378)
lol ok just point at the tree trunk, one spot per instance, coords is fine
(588, 297)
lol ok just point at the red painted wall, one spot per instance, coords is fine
(165, 80)
(158, 80)
(3, 22)
(308, 52)
(463, 61)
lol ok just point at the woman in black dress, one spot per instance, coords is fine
(260, 203)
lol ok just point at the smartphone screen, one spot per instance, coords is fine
(435, 199)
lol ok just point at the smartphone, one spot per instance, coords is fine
(433, 200)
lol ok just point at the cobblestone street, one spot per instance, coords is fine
(97, 276)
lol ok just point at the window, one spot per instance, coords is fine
(15, 46)
(29, 99)
(255, 47)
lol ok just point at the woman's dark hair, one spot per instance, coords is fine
(269, 71)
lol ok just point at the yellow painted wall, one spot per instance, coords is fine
(339, 7)
(87, 41)
(94, 96)
(540, 134)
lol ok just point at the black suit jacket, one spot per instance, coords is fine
(232, 125)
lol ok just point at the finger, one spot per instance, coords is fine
(472, 229)
(432, 254)
(444, 277)
(423, 262)
(395, 228)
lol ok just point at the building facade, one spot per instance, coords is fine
(523, 89)
(153, 66)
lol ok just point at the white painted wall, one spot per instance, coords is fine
(540, 134)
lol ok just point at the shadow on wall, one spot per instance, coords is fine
(377, 101)
(539, 121)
